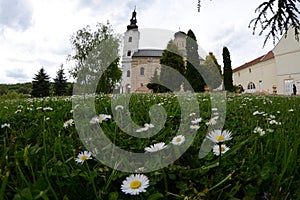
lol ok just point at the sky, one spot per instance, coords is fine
(36, 33)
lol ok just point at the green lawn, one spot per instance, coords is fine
(38, 154)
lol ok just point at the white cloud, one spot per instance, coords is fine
(37, 34)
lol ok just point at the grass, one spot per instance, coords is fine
(38, 153)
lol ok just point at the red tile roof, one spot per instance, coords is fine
(262, 58)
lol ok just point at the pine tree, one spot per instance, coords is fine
(171, 58)
(212, 72)
(228, 83)
(40, 84)
(60, 82)
(192, 75)
(154, 83)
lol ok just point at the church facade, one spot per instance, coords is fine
(139, 65)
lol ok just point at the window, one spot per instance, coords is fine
(130, 39)
(251, 86)
(142, 71)
(128, 53)
(128, 73)
(239, 74)
(142, 84)
(250, 70)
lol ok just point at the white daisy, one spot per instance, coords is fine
(83, 156)
(259, 130)
(218, 136)
(216, 149)
(68, 123)
(291, 110)
(119, 107)
(178, 140)
(192, 114)
(149, 125)
(100, 118)
(212, 121)
(142, 129)
(135, 184)
(156, 147)
(195, 127)
(196, 121)
(5, 125)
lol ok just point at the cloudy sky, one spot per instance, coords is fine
(36, 33)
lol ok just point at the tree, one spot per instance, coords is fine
(212, 72)
(154, 83)
(227, 69)
(277, 17)
(172, 66)
(60, 82)
(96, 57)
(193, 76)
(40, 84)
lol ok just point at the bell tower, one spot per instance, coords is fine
(131, 45)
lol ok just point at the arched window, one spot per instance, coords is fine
(128, 73)
(128, 53)
(251, 86)
(130, 39)
(142, 71)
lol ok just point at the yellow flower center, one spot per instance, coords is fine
(178, 139)
(220, 137)
(100, 119)
(135, 184)
(84, 158)
(68, 123)
(222, 149)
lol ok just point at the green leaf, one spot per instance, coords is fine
(155, 196)
(113, 196)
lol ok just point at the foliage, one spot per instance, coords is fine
(277, 16)
(194, 72)
(96, 57)
(38, 153)
(171, 64)
(227, 69)
(40, 84)
(212, 72)
(60, 82)
(154, 83)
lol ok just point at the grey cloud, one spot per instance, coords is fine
(16, 14)
(17, 73)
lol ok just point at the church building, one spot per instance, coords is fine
(139, 65)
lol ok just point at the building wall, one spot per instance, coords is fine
(287, 56)
(262, 74)
(150, 64)
(131, 46)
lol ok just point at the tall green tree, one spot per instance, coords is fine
(60, 82)
(154, 83)
(40, 84)
(212, 72)
(227, 69)
(96, 58)
(172, 68)
(193, 76)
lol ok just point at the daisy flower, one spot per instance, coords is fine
(135, 184)
(119, 107)
(178, 140)
(192, 114)
(5, 125)
(212, 121)
(196, 121)
(259, 130)
(156, 147)
(218, 136)
(99, 119)
(83, 156)
(68, 123)
(195, 127)
(216, 149)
